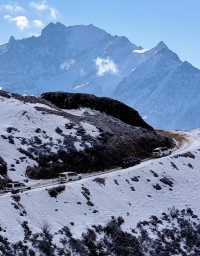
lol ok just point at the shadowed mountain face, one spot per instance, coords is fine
(67, 59)
(89, 60)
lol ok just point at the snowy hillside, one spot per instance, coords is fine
(88, 59)
(40, 140)
(44, 137)
(135, 194)
(24, 125)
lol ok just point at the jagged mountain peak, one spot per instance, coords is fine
(161, 45)
(161, 49)
(53, 29)
(58, 27)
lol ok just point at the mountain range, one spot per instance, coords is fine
(87, 59)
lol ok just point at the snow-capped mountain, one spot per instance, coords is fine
(88, 59)
(66, 58)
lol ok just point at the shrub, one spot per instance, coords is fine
(100, 181)
(55, 191)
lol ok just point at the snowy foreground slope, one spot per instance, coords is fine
(135, 194)
(41, 137)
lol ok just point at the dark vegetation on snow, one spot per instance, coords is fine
(173, 233)
(55, 191)
(186, 155)
(100, 181)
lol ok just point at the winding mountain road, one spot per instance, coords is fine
(184, 141)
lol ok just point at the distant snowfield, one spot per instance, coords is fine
(80, 112)
(141, 50)
(80, 85)
(134, 193)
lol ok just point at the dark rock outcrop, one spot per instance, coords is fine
(109, 106)
(3, 167)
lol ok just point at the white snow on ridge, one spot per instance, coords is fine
(140, 51)
(81, 111)
(80, 85)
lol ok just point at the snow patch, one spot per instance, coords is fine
(90, 129)
(140, 51)
(80, 85)
(80, 111)
(78, 146)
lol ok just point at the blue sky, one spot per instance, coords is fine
(144, 22)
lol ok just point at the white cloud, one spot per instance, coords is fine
(7, 17)
(38, 24)
(54, 13)
(12, 8)
(22, 22)
(43, 6)
(105, 66)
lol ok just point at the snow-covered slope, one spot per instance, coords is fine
(25, 125)
(39, 136)
(135, 194)
(40, 140)
(88, 59)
